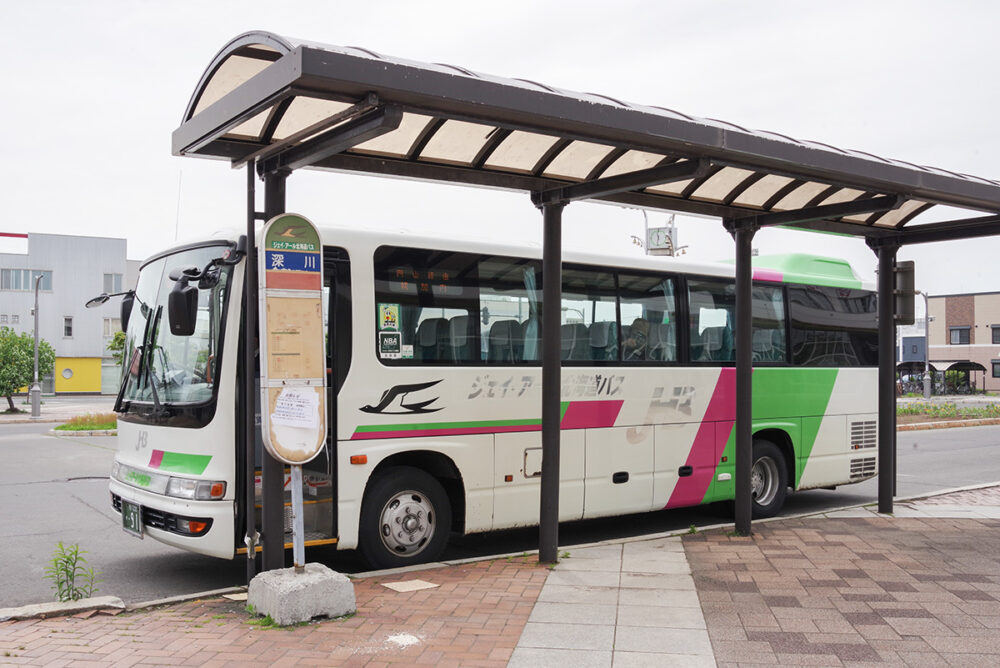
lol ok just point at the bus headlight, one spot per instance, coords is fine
(201, 490)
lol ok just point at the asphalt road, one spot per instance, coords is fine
(55, 489)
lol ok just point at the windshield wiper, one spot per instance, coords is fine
(148, 367)
(141, 350)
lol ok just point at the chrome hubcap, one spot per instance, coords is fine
(764, 480)
(407, 523)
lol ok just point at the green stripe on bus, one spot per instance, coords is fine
(475, 424)
(781, 395)
(176, 462)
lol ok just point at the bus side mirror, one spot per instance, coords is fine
(182, 308)
(126, 311)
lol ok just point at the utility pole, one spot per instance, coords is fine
(36, 391)
(927, 347)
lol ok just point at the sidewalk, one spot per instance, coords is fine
(58, 408)
(847, 588)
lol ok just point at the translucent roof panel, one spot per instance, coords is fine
(233, 72)
(263, 95)
(305, 112)
(675, 188)
(632, 161)
(892, 218)
(719, 185)
(399, 142)
(577, 160)
(456, 142)
(252, 128)
(842, 195)
(801, 196)
(757, 194)
(520, 152)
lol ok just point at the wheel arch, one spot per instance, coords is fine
(780, 438)
(441, 467)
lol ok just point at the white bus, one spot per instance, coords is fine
(435, 393)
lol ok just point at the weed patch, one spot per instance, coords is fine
(91, 422)
(948, 411)
(70, 578)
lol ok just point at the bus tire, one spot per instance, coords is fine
(405, 518)
(768, 479)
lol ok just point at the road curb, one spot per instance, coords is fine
(180, 598)
(62, 609)
(947, 424)
(77, 433)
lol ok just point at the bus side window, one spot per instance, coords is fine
(648, 310)
(711, 305)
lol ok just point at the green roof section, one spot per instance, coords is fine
(805, 268)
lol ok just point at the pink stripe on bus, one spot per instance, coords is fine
(768, 275)
(446, 431)
(155, 459)
(591, 414)
(708, 443)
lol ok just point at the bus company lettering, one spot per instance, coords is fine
(488, 387)
(660, 409)
(591, 385)
(142, 440)
(140, 479)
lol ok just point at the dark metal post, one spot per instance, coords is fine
(272, 471)
(743, 232)
(548, 516)
(35, 393)
(249, 387)
(886, 376)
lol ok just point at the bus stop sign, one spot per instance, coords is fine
(292, 344)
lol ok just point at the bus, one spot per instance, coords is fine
(434, 398)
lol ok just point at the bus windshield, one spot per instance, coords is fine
(162, 368)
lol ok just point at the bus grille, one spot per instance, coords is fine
(862, 468)
(150, 516)
(863, 435)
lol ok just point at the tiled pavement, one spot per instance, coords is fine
(850, 588)
(473, 618)
(631, 604)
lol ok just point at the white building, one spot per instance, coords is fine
(73, 269)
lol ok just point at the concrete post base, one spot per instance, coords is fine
(290, 597)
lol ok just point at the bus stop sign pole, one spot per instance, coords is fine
(292, 353)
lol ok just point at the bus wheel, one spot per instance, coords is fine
(405, 518)
(768, 479)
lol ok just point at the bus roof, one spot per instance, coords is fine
(781, 268)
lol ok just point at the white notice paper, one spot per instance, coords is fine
(297, 407)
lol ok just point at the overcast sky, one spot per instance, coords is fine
(93, 90)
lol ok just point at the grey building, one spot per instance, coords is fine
(73, 270)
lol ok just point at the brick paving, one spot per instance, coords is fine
(474, 618)
(852, 592)
(984, 496)
(851, 588)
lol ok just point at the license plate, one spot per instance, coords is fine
(132, 518)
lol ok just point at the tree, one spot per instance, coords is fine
(17, 362)
(116, 346)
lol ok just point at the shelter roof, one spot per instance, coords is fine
(288, 104)
(966, 366)
(914, 368)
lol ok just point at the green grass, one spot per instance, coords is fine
(91, 422)
(945, 411)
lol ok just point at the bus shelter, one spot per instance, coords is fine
(275, 105)
(963, 381)
(911, 374)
